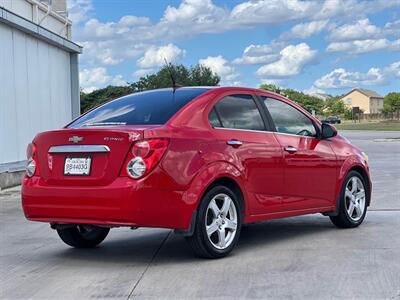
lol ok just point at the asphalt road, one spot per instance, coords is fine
(295, 258)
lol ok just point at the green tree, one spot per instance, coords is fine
(194, 76)
(391, 103)
(308, 102)
(197, 75)
(97, 97)
(334, 106)
(270, 87)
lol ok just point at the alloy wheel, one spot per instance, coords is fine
(221, 221)
(355, 198)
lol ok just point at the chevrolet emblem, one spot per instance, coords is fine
(75, 139)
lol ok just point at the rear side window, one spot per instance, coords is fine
(151, 107)
(238, 112)
(288, 119)
(214, 119)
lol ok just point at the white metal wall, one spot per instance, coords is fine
(35, 90)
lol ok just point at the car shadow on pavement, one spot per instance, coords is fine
(167, 248)
(121, 249)
(293, 230)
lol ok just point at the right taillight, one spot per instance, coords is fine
(31, 156)
(144, 157)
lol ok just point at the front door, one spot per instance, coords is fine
(310, 163)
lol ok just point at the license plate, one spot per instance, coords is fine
(77, 166)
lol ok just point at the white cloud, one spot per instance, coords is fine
(95, 29)
(93, 79)
(221, 67)
(313, 90)
(110, 52)
(110, 41)
(271, 11)
(292, 60)
(143, 72)
(119, 81)
(156, 56)
(363, 46)
(126, 21)
(260, 54)
(305, 30)
(198, 12)
(351, 8)
(362, 37)
(392, 28)
(340, 77)
(393, 69)
(79, 10)
(360, 30)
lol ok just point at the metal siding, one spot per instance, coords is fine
(21, 91)
(35, 90)
(8, 130)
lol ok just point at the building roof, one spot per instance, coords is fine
(11, 19)
(368, 93)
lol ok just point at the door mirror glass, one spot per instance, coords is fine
(327, 131)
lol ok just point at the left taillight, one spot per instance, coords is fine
(31, 164)
(143, 157)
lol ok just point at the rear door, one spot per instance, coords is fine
(310, 163)
(242, 132)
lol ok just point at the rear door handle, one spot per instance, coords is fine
(290, 149)
(234, 143)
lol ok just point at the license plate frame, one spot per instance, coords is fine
(75, 166)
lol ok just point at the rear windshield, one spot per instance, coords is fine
(150, 107)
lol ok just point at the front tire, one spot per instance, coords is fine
(83, 236)
(218, 224)
(353, 202)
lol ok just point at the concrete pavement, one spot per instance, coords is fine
(295, 258)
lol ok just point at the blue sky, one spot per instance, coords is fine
(326, 46)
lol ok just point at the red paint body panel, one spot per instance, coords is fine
(274, 183)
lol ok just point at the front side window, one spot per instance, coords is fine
(238, 112)
(288, 119)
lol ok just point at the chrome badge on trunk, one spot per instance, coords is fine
(75, 139)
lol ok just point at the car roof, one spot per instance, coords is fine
(219, 88)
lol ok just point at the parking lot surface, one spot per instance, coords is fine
(294, 258)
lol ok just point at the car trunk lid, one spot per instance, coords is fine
(85, 156)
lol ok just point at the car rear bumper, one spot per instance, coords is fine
(123, 202)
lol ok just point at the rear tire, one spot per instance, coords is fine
(352, 206)
(83, 236)
(218, 224)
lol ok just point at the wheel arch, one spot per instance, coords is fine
(216, 173)
(359, 169)
(349, 166)
(233, 185)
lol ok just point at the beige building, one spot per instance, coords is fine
(368, 101)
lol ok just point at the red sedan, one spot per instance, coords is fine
(200, 160)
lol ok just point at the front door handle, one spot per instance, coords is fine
(290, 149)
(234, 143)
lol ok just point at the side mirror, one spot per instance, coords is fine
(327, 131)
